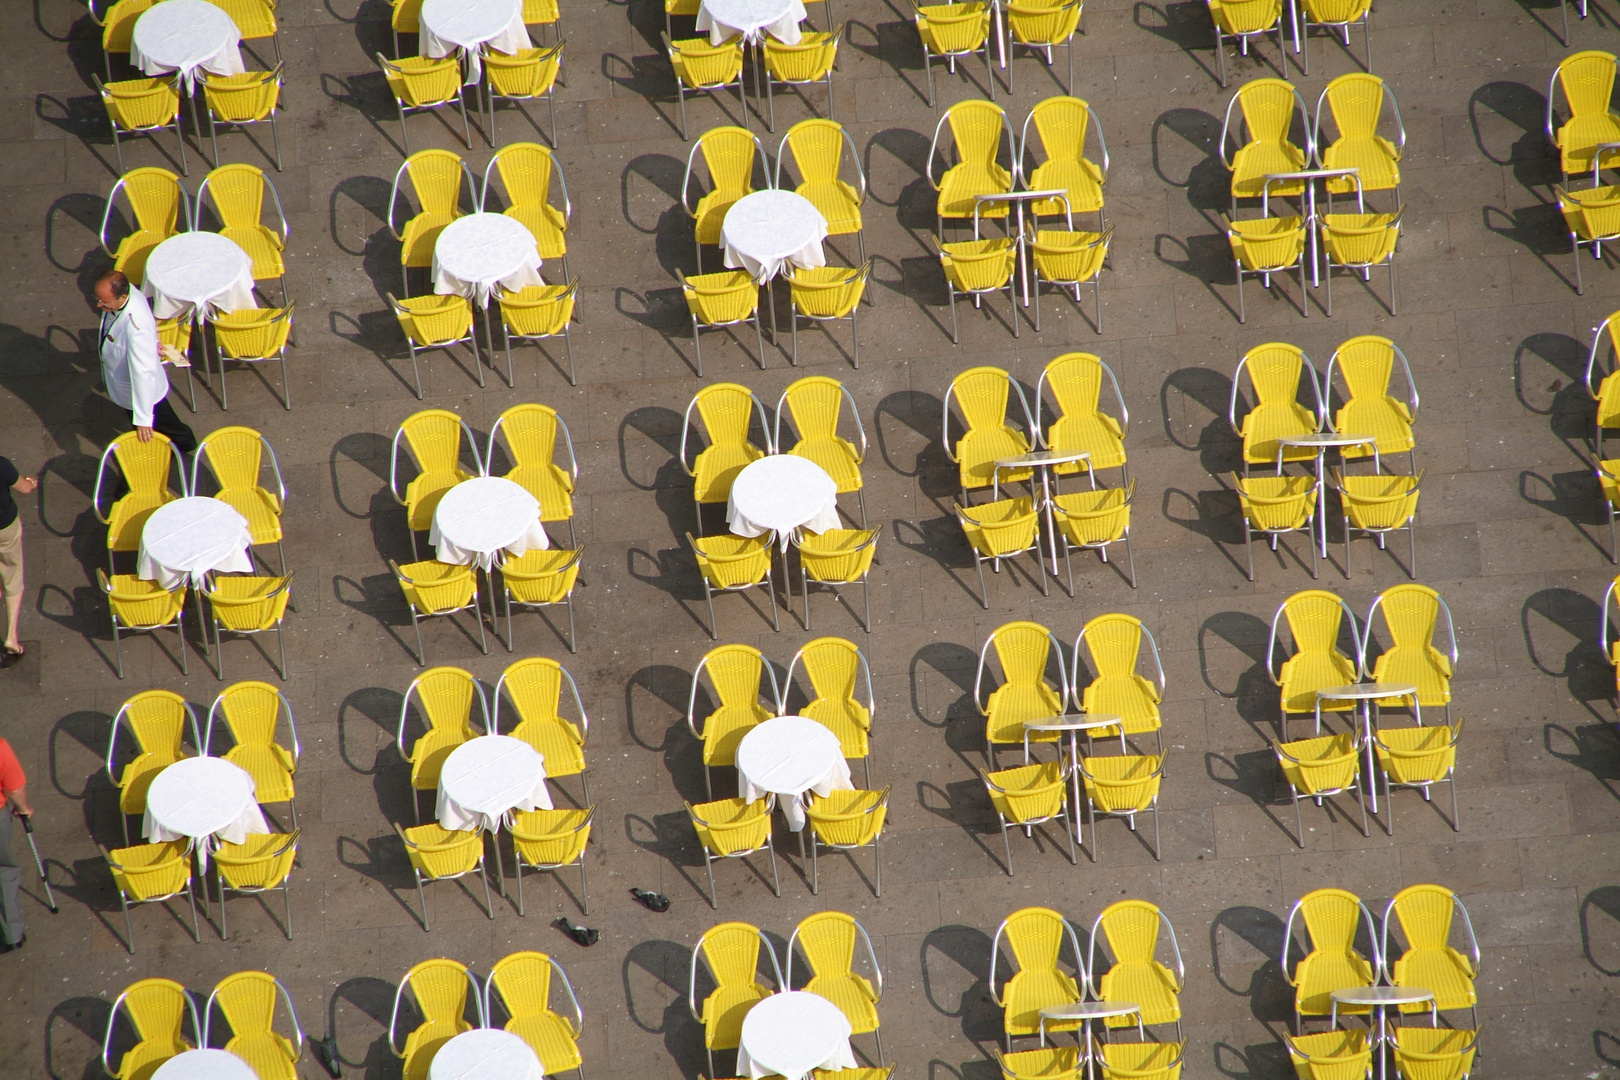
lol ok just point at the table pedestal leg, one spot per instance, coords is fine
(1367, 730)
(1051, 523)
(1310, 228)
(1321, 497)
(1074, 761)
(1383, 1064)
(1085, 1034)
(500, 865)
(1023, 263)
(770, 292)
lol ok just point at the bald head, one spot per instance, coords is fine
(112, 290)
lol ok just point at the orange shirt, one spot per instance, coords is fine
(11, 771)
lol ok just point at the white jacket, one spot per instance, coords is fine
(130, 364)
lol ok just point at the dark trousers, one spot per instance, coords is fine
(166, 422)
(11, 916)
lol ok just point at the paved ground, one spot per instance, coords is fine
(1512, 536)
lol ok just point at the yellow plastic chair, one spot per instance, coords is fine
(997, 531)
(544, 13)
(1424, 915)
(260, 863)
(1078, 422)
(1412, 615)
(524, 981)
(442, 989)
(1022, 652)
(254, 19)
(534, 688)
(844, 821)
(1608, 477)
(175, 334)
(954, 30)
(436, 322)
(435, 588)
(1587, 82)
(735, 673)
(525, 170)
(809, 62)
(142, 106)
(1069, 259)
(982, 396)
(833, 666)
(1418, 757)
(1131, 929)
(238, 199)
(1061, 126)
(728, 298)
(1276, 372)
(724, 409)
(236, 457)
(827, 942)
(551, 840)
(433, 437)
(1035, 936)
(1266, 246)
(730, 951)
(1095, 519)
(979, 131)
(251, 336)
(1367, 363)
(247, 1000)
(436, 176)
(815, 404)
(144, 468)
(1268, 108)
(252, 712)
(733, 829)
(729, 154)
(445, 696)
(151, 874)
(538, 579)
(1314, 622)
(418, 82)
(158, 202)
(978, 268)
(817, 148)
(535, 313)
(1273, 505)
(1337, 16)
(1359, 242)
(527, 75)
(253, 97)
(1246, 20)
(405, 18)
(1139, 1060)
(689, 8)
(1605, 392)
(247, 604)
(729, 563)
(157, 1009)
(1592, 216)
(1047, 1063)
(1356, 103)
(1122, 786)
(1329, 961)
(157, 720)
(837, 557)
(1319, 767)
(1379, 504)
(117, 24)
(1432, 1053)
(1114, 645)
(531, 432)
(1330, 1055)
(139, 606)
(702, 67)
(826, 294)
(1042, 26)
(437, 853)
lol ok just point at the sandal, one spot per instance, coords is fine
(12, 656)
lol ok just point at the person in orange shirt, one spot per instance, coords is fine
(13, 804)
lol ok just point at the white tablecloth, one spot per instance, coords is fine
(485, 1054)
(192, 269)
(485, 777)
(479, 518)
(187, 538)
(202, 798)
(724, 19)
(765, 231)
(477, 253)
(780, 493)
(205, 1065)
(789, 756)
(468, 24)
(184, 35)
(792, 1034)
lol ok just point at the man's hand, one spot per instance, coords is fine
(25, 486)
(145, 433)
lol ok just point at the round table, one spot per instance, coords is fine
(184, 35)
(1379, 998)
(202, 797)
(1042, 460)
(485, 1054)
(791, 1034)
(485, 777)
(479, 518)
(477, 253)
(723, 19)
(765, 231)
(204, 1064)
(1322, 442)
(1365, 694)
(1086, 1012)
(787, 757)
(780, 493)
(1073, 724)
(192, 270)
(187, 538)
(448, 25)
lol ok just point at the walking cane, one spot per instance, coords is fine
(39, 864)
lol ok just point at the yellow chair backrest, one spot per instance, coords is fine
(829, 292)
(981, 394)
(699, 63)
(811, 59)
(552, 837)
(1035, 936)
(1114, 643)
(1332, 917)
(1094, 518)
(735, 672)
(849, 818)
(134, 104)
(252, 95)
(251, 710)
(445, 695)
(1123, 784)
(525, 170)
(151, 871)
(526, 73)
(1425, 913)
(818, 150)
(731, 950)
(1268, 109)
(1275, 370)
(1265, 245)
(253, 332)
(815, 403)
(158, 1009)
(730, 562)
(1047, 1063)
(1412, 612)
(726, 297)
(440, 987)
(541, 11)
(540, 310)
(1381, 501)
(953, 28)
(145, 465)
(1587, 79)
(531, 433)
(1331, 1055)
(118, 24)
(1132, 930)
(1314, 618)
(828, 941)
(729, 154)
(155, 198)
(726, 409)
(246, 603)
(1245, 16)
(248, 1000)
(1023, 648)
(421, 82)
(406, 16)
(976, 128)
(832, 664)
(434, 436)
(1424, 1053)
(978, 265)
(1356, 101)
(1037, 23)
(535, 687)
(1361, 239)
(1367, 363)
(523, 980)
(436, 175)
(262, 861)
(838, 554)
(234, 455)
(1337, 11)
(1000, 528)
(158, 720)
(1276, 503)
(1591, 213)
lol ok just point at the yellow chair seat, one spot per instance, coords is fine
(128, 518)
(978, 451)
(838, 202)
(549, 1036)
(423, 493)
(717, 466)
(1082, 179)
(548, 225)
(271, 768)
(130, 259)
(263, 245)
(962, 183)
(723, 1013)
(1444, 973)
(559, 743)
(1303, 674)
(1009, 706)
(836, 456)
(1323, 972)
(1254, 162)
(421, 233)
(269, 1054)
(1312, 763)
(1151, 987)
(141, 1061)
(424, 1043)
(724, 729)
(849, 720)
(261, 508)
(853, 995)
(1028, 992)
(1376, 158)
(551, 487)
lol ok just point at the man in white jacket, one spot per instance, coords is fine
(130, 364)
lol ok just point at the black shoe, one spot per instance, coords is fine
(326, 1051)
(14, 946)
(582, 935)
(650, 900)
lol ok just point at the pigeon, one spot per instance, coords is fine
(326, 1050)
(582, 935)
(650, 900)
